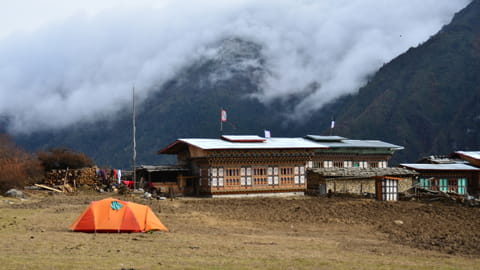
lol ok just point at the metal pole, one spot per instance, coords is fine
(134, 143)
(221, 120)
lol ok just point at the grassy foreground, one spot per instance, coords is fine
(34, 235)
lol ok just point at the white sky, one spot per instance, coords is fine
(30, 15)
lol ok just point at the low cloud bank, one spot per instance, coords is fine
(83, 68)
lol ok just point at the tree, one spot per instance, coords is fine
(63, 158)
(17, 167)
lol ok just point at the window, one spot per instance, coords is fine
(260, 176)
(462, 184)
(347, 164)
(373, 164)
(287, 175)
(232, 176)
(443, 184)
(338, 164)
(424, 183)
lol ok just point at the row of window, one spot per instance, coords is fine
(350, 164)
(456, 185)
(256, 181)
(256, 171)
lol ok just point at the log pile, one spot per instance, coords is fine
(428, 195)
(85, 176)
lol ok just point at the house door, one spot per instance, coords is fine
(387, 189)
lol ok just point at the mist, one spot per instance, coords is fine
(82, 68)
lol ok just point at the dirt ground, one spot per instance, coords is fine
(245, 233)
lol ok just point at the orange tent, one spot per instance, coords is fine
(112, 215)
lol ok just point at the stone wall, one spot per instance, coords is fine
(357, 186)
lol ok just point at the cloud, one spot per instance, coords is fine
(82, 67)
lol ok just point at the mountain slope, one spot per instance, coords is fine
(427, 99)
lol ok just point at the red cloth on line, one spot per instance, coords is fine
(128, 183)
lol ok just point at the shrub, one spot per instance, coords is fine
(62, 158)
(18, 168)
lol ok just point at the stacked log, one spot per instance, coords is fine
(85, 176)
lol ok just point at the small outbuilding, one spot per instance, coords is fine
(456, 177)
(385, 183)
(167, 179)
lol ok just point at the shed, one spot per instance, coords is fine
(384, 182)
(167, 179)
(456, 177)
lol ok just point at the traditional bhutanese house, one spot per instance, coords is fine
(167, 179)
(385, 183)
(455, 177)
(245, 164)
(341, 152)
(253, 164)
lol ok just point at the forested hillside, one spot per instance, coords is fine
(427, 99)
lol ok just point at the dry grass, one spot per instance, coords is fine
(34, 235)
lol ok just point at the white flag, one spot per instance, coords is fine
(332, 125)
(223, 116)
(267, 134)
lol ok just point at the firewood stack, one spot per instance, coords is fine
(85, 176)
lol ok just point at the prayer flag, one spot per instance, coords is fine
(223, 116)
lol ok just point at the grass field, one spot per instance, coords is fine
(257, 233)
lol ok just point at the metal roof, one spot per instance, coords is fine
(362, 172)
(362, 144)
(440, 167)
(441, 160)
(256, 142)
(268, 143)
(162, 168)
(320, 138)
(470, 154)
(243, 138)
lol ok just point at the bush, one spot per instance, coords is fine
(63, 158)
(17, 167)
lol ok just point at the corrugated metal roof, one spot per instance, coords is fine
(362, 144)
(243, 138)
(471, 154)
(320, 138)
(161, 168)
(441, 160)
(341, 142)
(362, 172)
(440, 167)
(256, 142)
(269, 143)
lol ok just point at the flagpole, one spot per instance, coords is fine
(134, 143)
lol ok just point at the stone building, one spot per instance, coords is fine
(385, 183)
